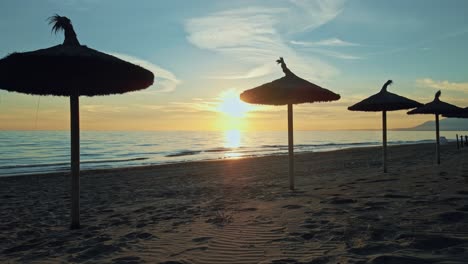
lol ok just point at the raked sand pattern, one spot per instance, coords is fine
(345, 210)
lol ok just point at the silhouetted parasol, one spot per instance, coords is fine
(71, 70)
(288, 90)
(384, 101)
(436, 108)
(463, 113)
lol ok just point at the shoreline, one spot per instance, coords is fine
(138, 167)
(345, 209)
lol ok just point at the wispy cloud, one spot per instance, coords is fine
(309, 15)
(332, 42)
(103, 108)
(226, 102)
(324, 46)
(165, 81)
(195, 105)
(259, 71)
(255, 36)
(335, 54)
(445, 85)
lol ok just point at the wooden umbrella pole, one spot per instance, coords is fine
(75, 160)
(437, 139)
(291, 146)
(384, 140)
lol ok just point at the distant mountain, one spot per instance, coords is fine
(447, 124)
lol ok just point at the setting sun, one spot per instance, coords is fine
(232, 106)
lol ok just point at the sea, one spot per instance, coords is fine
(31, 152)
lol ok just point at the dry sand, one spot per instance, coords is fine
(345, 210)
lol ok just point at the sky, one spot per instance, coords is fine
(204, 53)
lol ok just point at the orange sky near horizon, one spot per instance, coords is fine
(225, 112)
(204, 57)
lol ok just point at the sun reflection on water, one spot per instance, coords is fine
(232, 140)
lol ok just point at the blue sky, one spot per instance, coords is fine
(203, 50)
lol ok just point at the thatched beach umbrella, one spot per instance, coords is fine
(288, 90)
(463, 113)
(436, 108)
(384, 101)
(71, 70)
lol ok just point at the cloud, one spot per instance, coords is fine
(445, 85)
(317, 47)
(191, 107)
(165, 81)
(309, 15)
(227, 101)
(335, 54)
(333, 42)
(103, 108)
(259, 71)
(255, 36)
(196, 105)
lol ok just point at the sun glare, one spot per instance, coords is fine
(232, 138)
(232, 106)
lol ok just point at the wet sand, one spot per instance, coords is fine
(345, 210)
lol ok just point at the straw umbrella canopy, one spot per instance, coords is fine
(71, 70)
(436, 107)
(288, 90)
(384, 101)
(463, 113)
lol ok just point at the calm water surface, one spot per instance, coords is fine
(25, 152)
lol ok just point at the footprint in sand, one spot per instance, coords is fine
(434, 242)
(136, 235)
(308, 236)
(338, 200)
(190, 249)
(283, 261)
(375, 248)
(309, 226)
(201, 239)
(95, 252)
(127, 260)
(385, 259)
(452, 217)
(376, 203)
(292, 206)
(140, 225)
(249, 209)
(25, 247)
(395, 196)
(372, 206)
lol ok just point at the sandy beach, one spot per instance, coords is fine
(345, 210)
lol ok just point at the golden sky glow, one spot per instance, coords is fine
(232, 106)
(224, 111)
(204, 57)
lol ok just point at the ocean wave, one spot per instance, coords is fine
(113, 160)
(221, 149)
(19, 166)
(275, 146)
(22, 152)
(183, 153)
